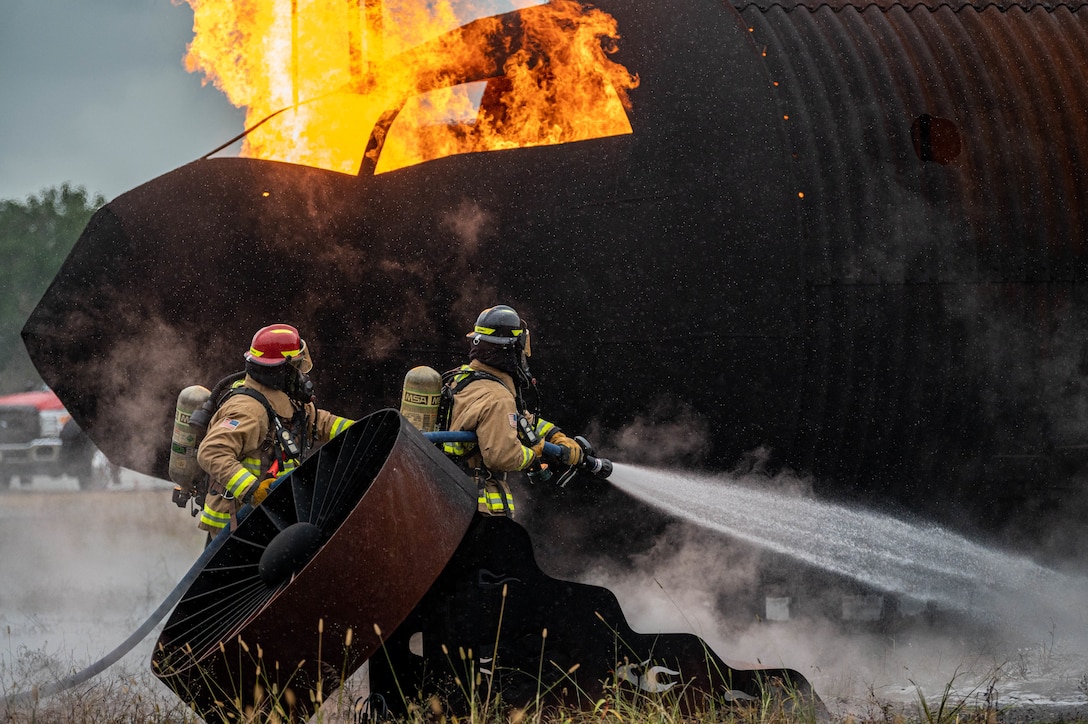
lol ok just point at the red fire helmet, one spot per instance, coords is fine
(277, 344)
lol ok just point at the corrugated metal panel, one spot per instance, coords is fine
(956, 5)
(918, 259)
(854, 83)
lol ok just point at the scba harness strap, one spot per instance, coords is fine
(493, 495)
(285, 445)
(286, 453)
(454, 381)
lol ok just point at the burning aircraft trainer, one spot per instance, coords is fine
(852, 233)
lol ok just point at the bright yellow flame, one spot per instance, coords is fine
(415, 80)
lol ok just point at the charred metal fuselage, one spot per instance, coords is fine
(854, 235)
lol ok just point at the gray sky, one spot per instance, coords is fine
(94, 92)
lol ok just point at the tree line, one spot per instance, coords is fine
(35, 238)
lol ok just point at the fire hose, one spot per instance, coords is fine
(39, 692)
(597, 466)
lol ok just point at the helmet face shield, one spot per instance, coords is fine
(302, 361)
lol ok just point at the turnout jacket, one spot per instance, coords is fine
(489, 409)
(238, 450)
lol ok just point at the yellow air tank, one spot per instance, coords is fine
(184, 470)
(420, 397)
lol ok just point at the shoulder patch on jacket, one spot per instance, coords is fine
(229, 424)
(513, 418)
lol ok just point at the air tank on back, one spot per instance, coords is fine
(850, 234)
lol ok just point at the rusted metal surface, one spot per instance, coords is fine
(391, 511)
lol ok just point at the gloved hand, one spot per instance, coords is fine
(538, 449)
(574, 452)
(260, 491)
(571, 448)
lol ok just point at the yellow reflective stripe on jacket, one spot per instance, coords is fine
(339, 425)
(289, 465)
(252, 472)
(214, 519)
(461, 449)
(527, 457)
(493, 500)
(544, 428)
(458, 449)
(240, 482)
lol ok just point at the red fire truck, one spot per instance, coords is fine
(39, 437)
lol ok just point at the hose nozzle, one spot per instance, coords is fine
(598, 467)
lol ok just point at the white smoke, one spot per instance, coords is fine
(668, 432)
(82, 570)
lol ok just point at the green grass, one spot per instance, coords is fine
(125, 696)
(122, 696)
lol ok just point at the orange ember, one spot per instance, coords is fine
(367, 86)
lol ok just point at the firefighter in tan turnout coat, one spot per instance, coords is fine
(487, 399)
(264, 429)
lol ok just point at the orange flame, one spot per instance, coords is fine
(368, 86)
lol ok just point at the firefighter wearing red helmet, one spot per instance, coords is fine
(488, 399)
(265, 428)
